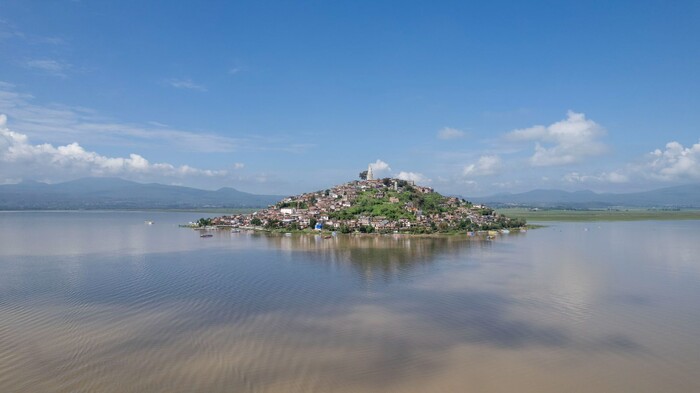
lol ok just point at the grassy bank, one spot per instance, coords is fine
(600, 215)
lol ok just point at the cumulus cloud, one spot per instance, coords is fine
(413, 176)
(379, 166)
(187, 84)
(675, 162)
(565, 142)
(450, 133)
(484, 166)
(238, 165)
(21, 158)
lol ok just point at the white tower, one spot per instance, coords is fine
(370, 175)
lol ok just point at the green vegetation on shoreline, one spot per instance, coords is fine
(600, 215)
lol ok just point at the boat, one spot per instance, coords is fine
(148, 222)
(327, 237)
(505, 231)
(206, 235)
(235, 230)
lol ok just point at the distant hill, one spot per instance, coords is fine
(686, 196)
(115, 193)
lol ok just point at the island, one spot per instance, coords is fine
(369, 205)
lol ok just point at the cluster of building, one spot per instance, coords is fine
(321, 210)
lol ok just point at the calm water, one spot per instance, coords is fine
(100, 302)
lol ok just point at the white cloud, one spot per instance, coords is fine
(379, 167)
(450, 133)
(20, 158)
(565, 142)
(187, 84)
(615, 177)
(485, 166)
(157, 124)
(507, 185)
(61, 124)
(238, 165)
(675, 162)
(413, 176)
(52, 67)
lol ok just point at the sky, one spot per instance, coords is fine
(470, 98)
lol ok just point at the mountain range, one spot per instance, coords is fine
(115, 193)
(685, 196)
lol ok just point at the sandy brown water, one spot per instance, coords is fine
(101, 302)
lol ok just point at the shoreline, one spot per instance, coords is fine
(467, 234)
(561, 215)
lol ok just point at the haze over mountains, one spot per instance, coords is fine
(115, 193)
(685, 196)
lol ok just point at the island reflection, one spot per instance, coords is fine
(372, 255)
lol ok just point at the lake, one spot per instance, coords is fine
(101, 302)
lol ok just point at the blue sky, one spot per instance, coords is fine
(286, 97)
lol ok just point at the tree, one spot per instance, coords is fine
(256, 221)
(366, 228)
(363, 175)
(204, 222)
(312, 223)
(272, 223)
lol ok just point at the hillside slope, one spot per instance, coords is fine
(384, 205)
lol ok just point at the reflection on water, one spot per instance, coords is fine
(102, 303)
(373, 255)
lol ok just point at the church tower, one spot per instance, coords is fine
(370, 175)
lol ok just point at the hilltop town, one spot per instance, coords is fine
(373, 205)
